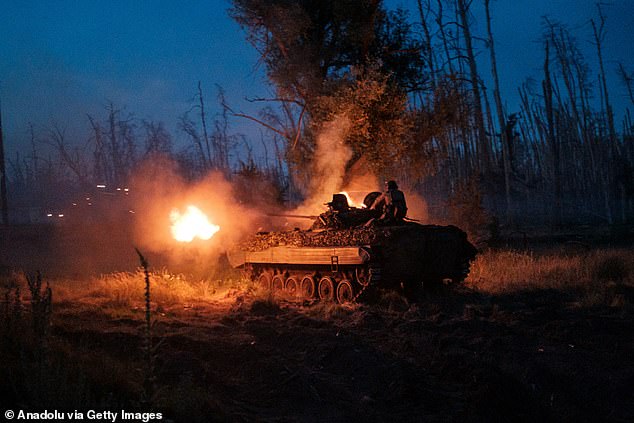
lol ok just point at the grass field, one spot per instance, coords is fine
(529, 336)
(593, 277)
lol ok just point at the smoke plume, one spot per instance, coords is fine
(329, 164)
(333, 173)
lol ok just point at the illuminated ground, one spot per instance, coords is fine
(453, 357)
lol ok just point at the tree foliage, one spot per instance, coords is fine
(376, 109)
(339, 56)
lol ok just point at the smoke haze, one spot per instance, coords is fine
(332, 173)
(328, 167)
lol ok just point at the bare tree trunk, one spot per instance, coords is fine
(3, 178)
(481, 141)
(599, 35)
(100, 166)
(443, 36)
(563, 45)
(35, 183)
(203, 120)
(500, 114)
(627, 80)
(550, 134)
(115, 154)
(464, 162)
(73, 160)
(222, 139)
(34, 156)
(428, 40)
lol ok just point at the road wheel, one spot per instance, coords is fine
(307, 287)
(326, 288)
(277, 283)
(362, 276)
(345, 293)
(292, 286)
(264, 280)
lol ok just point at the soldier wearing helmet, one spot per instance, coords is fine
(392, 203)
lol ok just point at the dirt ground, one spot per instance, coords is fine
(455, 356)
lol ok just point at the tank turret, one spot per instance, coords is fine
(341, 215)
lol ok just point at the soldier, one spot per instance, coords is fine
(392, 203)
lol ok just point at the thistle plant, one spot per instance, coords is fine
(148, 350)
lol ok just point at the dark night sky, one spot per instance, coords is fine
(63, 59)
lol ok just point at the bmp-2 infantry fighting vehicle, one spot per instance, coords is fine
(343, 255)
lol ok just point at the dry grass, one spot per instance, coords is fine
(124, 289)
(505, 272)
(330, 310)
(493, 272)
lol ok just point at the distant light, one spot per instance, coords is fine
(90, 204)
(49, 214)
(60, 215)
(87, 198)
(126, 189)
(74, 204)
(101, 186)
(118, 189)
(131, 211)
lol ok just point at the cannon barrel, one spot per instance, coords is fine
(294, 216)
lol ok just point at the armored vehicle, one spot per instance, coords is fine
(345, 254)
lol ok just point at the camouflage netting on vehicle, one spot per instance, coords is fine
(326, 238)
(350, 237)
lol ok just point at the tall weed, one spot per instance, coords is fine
(509, 271)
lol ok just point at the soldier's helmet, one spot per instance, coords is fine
(339, 202)
(391, 185)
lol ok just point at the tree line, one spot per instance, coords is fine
(421, 112)
(425, 114)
